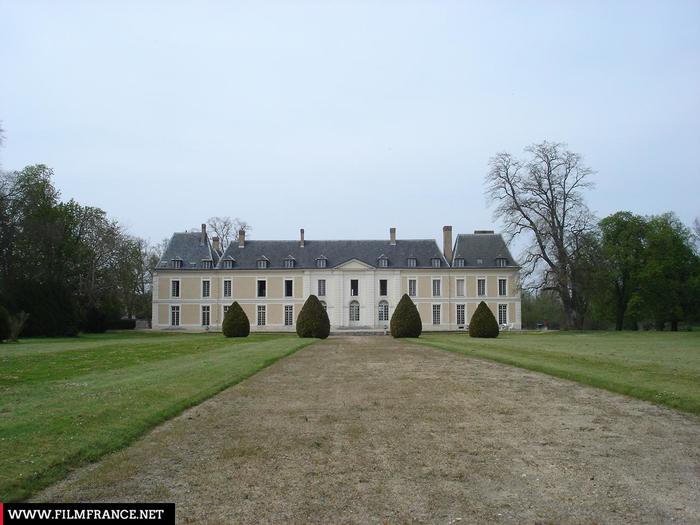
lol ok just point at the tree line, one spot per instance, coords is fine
(625, 270)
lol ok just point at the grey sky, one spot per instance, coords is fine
(346, 118)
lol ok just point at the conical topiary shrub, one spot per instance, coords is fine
(313, 320)
(236, 322)
(483, 323)
(406, 320)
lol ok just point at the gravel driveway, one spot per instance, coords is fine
(369, 430)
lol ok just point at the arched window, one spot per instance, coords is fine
(383, 311)
(354, 311)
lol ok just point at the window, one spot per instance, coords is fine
(383, 287)
(481, 287)
(411, 262)
(226, 307)
(206, 288)
(177, 263)
(436, 314)
(262, 264)
(502, 314)
(206, 315)
(321, 262)
(289, 263)
(383, 262)
(354, 311)
(411, 287)
(288, 315)
(479, 261)
(354, 287)
(383, 311)
(502, 287)
(207, 264)
(321, 287)
(262, 311)
(460, 314)
(288, 287)
(460, 288)
(262, 288)
(325, 306)
(174, 316)
(227, 288)
(435, 262)
(501, 261)
(228, 264)
(175, 288)
(459, 262)
(436, 287)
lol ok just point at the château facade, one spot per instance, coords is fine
(359, 282)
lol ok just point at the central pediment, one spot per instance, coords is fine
(354, 264)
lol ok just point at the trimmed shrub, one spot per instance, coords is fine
(121, 324)
(406, 320)
(313, 320)
(4, 324)
(483, 323)
(236, 323)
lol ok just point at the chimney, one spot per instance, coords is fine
(447, 243)
(215, 243)
(203, 238)
(301, 238)
(241, 238)
(392, 236)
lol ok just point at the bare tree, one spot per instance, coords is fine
(227, 228)
(541, 197)
(696, 229)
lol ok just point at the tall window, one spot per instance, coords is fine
(262, 315)
(383, 311)
(383, 287)
(354, 311)
(411, 287)
(460, 314)
(502, 287)
(502, 314)
(288, 287)
(411, 262)
(436, 313)
(288, 315)
(227, 288)
(262, 288)
(175, 316)
(354, 287)
(321, 287)
(435, 262)
(460, 287)
(175, 288)
(206, 288)
(481, 287)
(436, 287)
(459, 262)
(206, 315)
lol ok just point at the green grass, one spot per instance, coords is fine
(67, 402)
(661, 367)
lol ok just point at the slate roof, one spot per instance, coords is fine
(484, 247)
(335, 252)
(187, 247)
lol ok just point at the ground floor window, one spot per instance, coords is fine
(175, 316)
(325, 306)
(412, 287)
(354, 311)
(206, 315)
(288, 315)
(262, 314)
(460, 314)
(436, 314)
(383, 311)
(502, 314)
(226, 307)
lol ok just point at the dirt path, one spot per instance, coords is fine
(367, 430)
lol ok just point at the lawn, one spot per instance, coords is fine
(66, 402)
(662, 367)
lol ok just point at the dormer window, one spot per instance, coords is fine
(459, 262)
(411, 262)
(289, 262)
(479, 261)
(435, 262)
(383, 261)
(228, 264)
(263, 263)
(207, 264)
(176, 263)
(501, 261)
(321, 262)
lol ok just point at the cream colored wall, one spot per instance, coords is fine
(189, 314)
(163, 314)
(275, 314)
(244, 287)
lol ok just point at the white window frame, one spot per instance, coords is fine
(379, 287)
(321, 262)
(256, 288)
(505, 287)
(435, 260)
(415, 286)
(258, 317)
(320, 288)
(284, 287)
(411, 262)
(261, 264)
(436, 307)
(358, 288)
(224, 310)
(464, 287)
(463, 307)
(505, 309)
(459, 262)
(439, 287)
(179, 288)
(230, 288)
(383, 311)
(288, 264)
(201, 288)
(288, 308)
(173, 308)
(477, 287)
(351, 307)
(201, 314)
(325, 306)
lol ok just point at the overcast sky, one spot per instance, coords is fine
(346, 118)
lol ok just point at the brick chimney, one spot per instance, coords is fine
(447, 243)
(392, 236)
(203, 237)
(241, 238)
(301, 238)
(216, 244)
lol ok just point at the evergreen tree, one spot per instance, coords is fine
(313, 320)
(483, 323)
(406, 320)
(236, 323)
